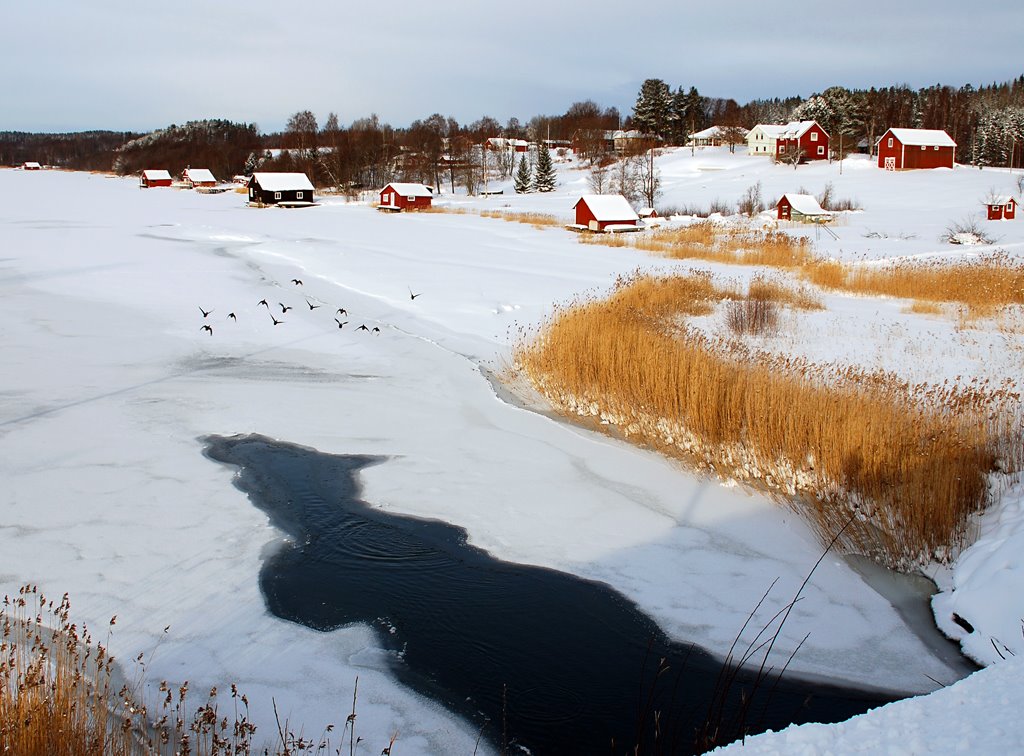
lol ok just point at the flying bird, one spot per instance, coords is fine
(363, 328)
(264, 303)
(276, 321)
(284, 307)
(297, 281)
(232, 316)
(311, 305)
(376, 329)
(206, 313)
(413, 296)
(342, 311)
(340, 324)
(207, 328)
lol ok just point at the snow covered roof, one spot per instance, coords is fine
(608, 207)
(199, 175)
(31, 164)
(796, 129)
(1002, 199)
(922, 137)
(282, 182)
(770, 129)
(410, 190)
(805, 204)
(714, 132)
(153, 175)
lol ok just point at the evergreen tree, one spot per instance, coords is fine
(544, 172)
(696, 110)
(522, 177)
(653, 108)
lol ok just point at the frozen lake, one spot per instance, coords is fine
(108, 382)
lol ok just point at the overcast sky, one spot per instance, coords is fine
(136, 65)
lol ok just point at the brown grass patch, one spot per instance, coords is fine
(907, 463)
(537, 220)
(924, 308)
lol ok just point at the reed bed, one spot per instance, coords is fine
(61, 695)
(984, 285)
(537, 220)
(907, 463)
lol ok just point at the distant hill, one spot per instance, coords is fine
(219, 145)
(84, 150)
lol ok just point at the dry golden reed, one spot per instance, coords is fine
(984, 284)
(537, 220)
(907, 463)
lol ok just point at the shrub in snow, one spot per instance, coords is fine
(968, 231)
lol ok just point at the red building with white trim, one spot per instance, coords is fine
(399, 196)
(150, 178)
(1001, 208)
(807, 136)
(599, 211)
(906, 149)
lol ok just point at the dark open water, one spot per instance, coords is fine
(540, 659)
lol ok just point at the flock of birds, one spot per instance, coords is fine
(312, 304)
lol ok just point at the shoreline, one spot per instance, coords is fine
(909, 594)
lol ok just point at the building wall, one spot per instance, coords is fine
(759, 143)
(391, 198)
(785, 210)
(912, 156)
(266, 197)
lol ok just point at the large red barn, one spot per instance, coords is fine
(398, 196)
(805, 136)
(905, 149)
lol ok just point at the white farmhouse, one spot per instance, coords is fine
(763, 139)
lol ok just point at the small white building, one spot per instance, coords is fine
(714, 136)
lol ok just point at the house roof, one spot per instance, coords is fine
(805, 204)
(922, 137)
(770, 129)
(154, 175)
(714, 132)
(1002, 199)
(796, 129)
(282, 182)
(410, 190)
(608, 207)
(199, 174)
(31, 164)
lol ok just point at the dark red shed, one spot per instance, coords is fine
(904, 149)
(398, 196)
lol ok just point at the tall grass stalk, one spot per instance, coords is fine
(908, 462)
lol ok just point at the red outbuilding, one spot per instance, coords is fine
(31, 165)
(905, 149)
(598, 212)
(152, 178)
(1001, 208)
(194, 177)
(807, 137)
(397, 196)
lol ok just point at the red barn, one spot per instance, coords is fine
(805, 136)
(154, 178)
(1001, 208)
(31, 165)
(803, 208)
(905, 149)
(396, 196)
(194, 177)
(599, 211)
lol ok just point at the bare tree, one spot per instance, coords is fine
(732, 136)
(625, 180)
(599, 176)
(301, 135)
(648, 178)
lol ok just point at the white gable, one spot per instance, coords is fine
(609, 207)
(283, 182)
(199, 175)
(770, 130)
(923, 137)
(152, 175)
(805, 204)
(409, 190)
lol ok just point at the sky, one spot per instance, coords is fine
(125, 65)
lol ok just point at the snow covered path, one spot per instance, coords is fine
(107, 382)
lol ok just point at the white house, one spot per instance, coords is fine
(713, 136)
(763, 139)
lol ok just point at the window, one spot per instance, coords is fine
(814, 136)
(298, 195)
(1009, 207)
(411, 199)
(936, 148)
(252, 194)
(821, 150)
(782, 148)
(890, 142)
(924, 147)
(277, 195)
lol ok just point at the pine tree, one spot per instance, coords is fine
(544, 172)
(653, 109)
(522, 177)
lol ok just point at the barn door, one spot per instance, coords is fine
(890, 164)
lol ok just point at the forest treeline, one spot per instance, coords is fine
(987, 122)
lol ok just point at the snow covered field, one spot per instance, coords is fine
(107, 382)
